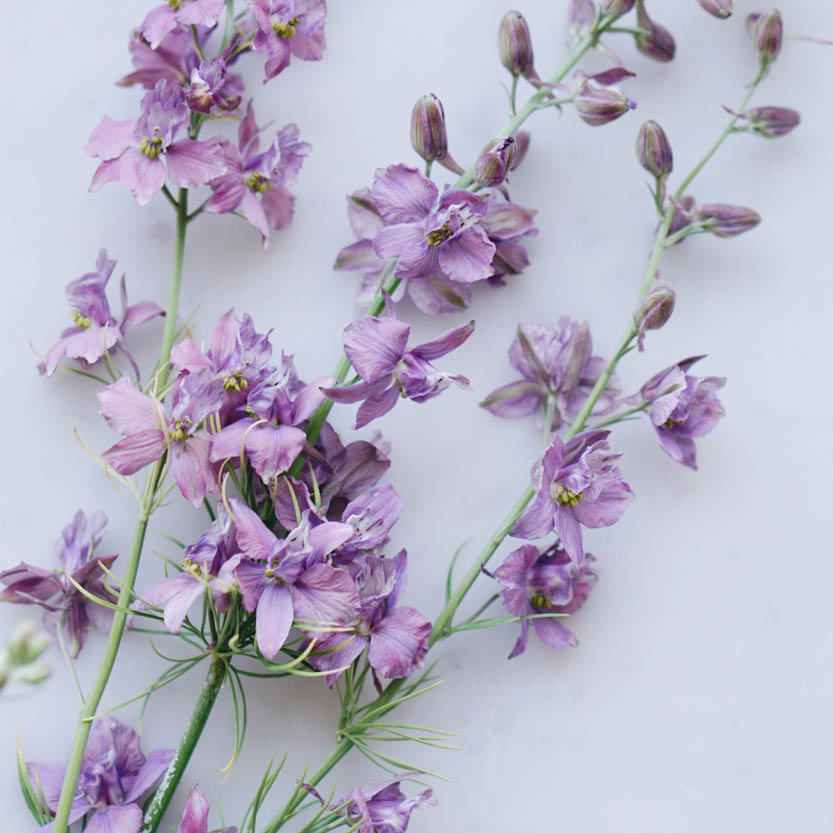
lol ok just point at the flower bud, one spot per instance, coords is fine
(515, 45)
(428, 136)
(656, 42)
(769, 32)
(598, 104)
(727, 220)
(683, 215)
(33, 674)
(654, 150)
(655, 309)
(522, 139)
(494, 162)
(616, 8)
(718, 8)
(771, 121)
(752, 23)
(581, 16)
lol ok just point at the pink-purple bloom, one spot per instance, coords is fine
(133, 151)
(64, 605)
(378, 350)
(533, 583)
(211, 87)
(162, 20)
(577, 484)
(383, 807)
(96, 332)
(115, 776)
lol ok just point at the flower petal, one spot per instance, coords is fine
(375, 345)
(136, 451)
(192, 164)
(402, 194)
(274, 619)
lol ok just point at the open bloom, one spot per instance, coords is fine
(377, 349)
(115, 776)
(556, 366)
(533, 582)
(148, 433)
(681, 408)
(577, 484)
(133, 151)
(255, 182)
(66, 607)
(165, 18)
(96, 330)
(287, 28)
(383, 808)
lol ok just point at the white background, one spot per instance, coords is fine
(699, 698)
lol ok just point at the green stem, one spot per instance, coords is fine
(199, 717)
(111, 649)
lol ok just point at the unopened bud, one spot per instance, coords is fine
(428, 136)
(718, 8)
(771, 121)
(655, 41)
(727, 220)
(494, 162)
(752, 23)
(654, 150)
(769, 32)
(515, 45)
(33, 674)
(581, 16)
(616, 8)
(597, 104)
(522, 139)
(26, 644)
(655, 309)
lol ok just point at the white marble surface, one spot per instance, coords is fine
(699, 698)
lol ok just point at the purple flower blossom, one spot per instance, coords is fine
(132, 151)
(681, 408)
(114, 777)
(383, 807)
(195, 816)
(377, 349)
(287, 28)
(533, 582)
(427, 235)
(173, 60)
(162, 20)
(66, 607)
(555, 365)
(255, 184)
(396, 637)
(287, 579)
(372, 515)
(211, 87)
(96, 331)
(577, 484)
(598, 98)
(148, 433)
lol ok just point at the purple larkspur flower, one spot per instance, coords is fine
(269, 434)
(533, 582)
(577, 484)
(256, 182)
(96, 330)
(115, 775)
(132, 151)
(373, 515)
(555, 365)
(211, 87)
(195, 815)
(286, 579)
(682, 408)
(237, 355)
(429, 233)
(64, 605)
(383, 807)
(287, 28)
(377, 349)
(172, 60)
(148, 433)
(396, 636)
(162, 20)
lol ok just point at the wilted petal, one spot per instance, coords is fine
(517, 399)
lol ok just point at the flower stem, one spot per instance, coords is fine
(199, 716)
(111, 649)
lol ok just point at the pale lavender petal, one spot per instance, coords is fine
(376, 406)
(273, 450)
(517, 399)
(523, 638)
(250, 207)
(110, 139)
(468, 257)
(338, 650)
(403, 194)
(309, 398)
(551, 632)
(228, 190)
(252, 580)
(91, 344)
(116, 819)
(195, 817)
(253, 536)
(360, 255)
(192, 164)
(107, 171)
(142, 175)
(391, 241)
(201, 12)
(436, 295)
(375, 345)
(507, 220)
(191, 467)
(569, 531)
(159, 22)
(536, 521)
(418, 260)
(282, 493)
(187, 356)
(228, 443)
(399, 643)
(136, 451)
(274, 619)
(325, 595)
(326, 537)
(47, 779)
(140, 313)
(348, 394)
(607, 508)
(277, 204)
(151, 771)
(680, 448)
(513, 577)
(444, 344)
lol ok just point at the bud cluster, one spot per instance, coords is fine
(17, 660)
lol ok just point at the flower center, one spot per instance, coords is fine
(539, 600)
(286, 29)
(190, 567)
(258, 183)
(565, 497)
(81, 320)
(180, 430)
(151, 147)
(440, 235)
(175, 5)
(672, 423)
(234, 381)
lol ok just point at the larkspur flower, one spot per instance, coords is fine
(96, 331)
(211, 87)
(284, 579)
(396, 637)
(173, 60)
(256, 182)
(377, 349)
(115, 776)
(555, 365)
(533, 582)
(66, 607)
(195, 815)
(577, 484)
(162, 20)
(288, 28)
(599, 100)
(383, 807)
(681, 408)
(148, 433)
(132, 151)
(372, 515)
